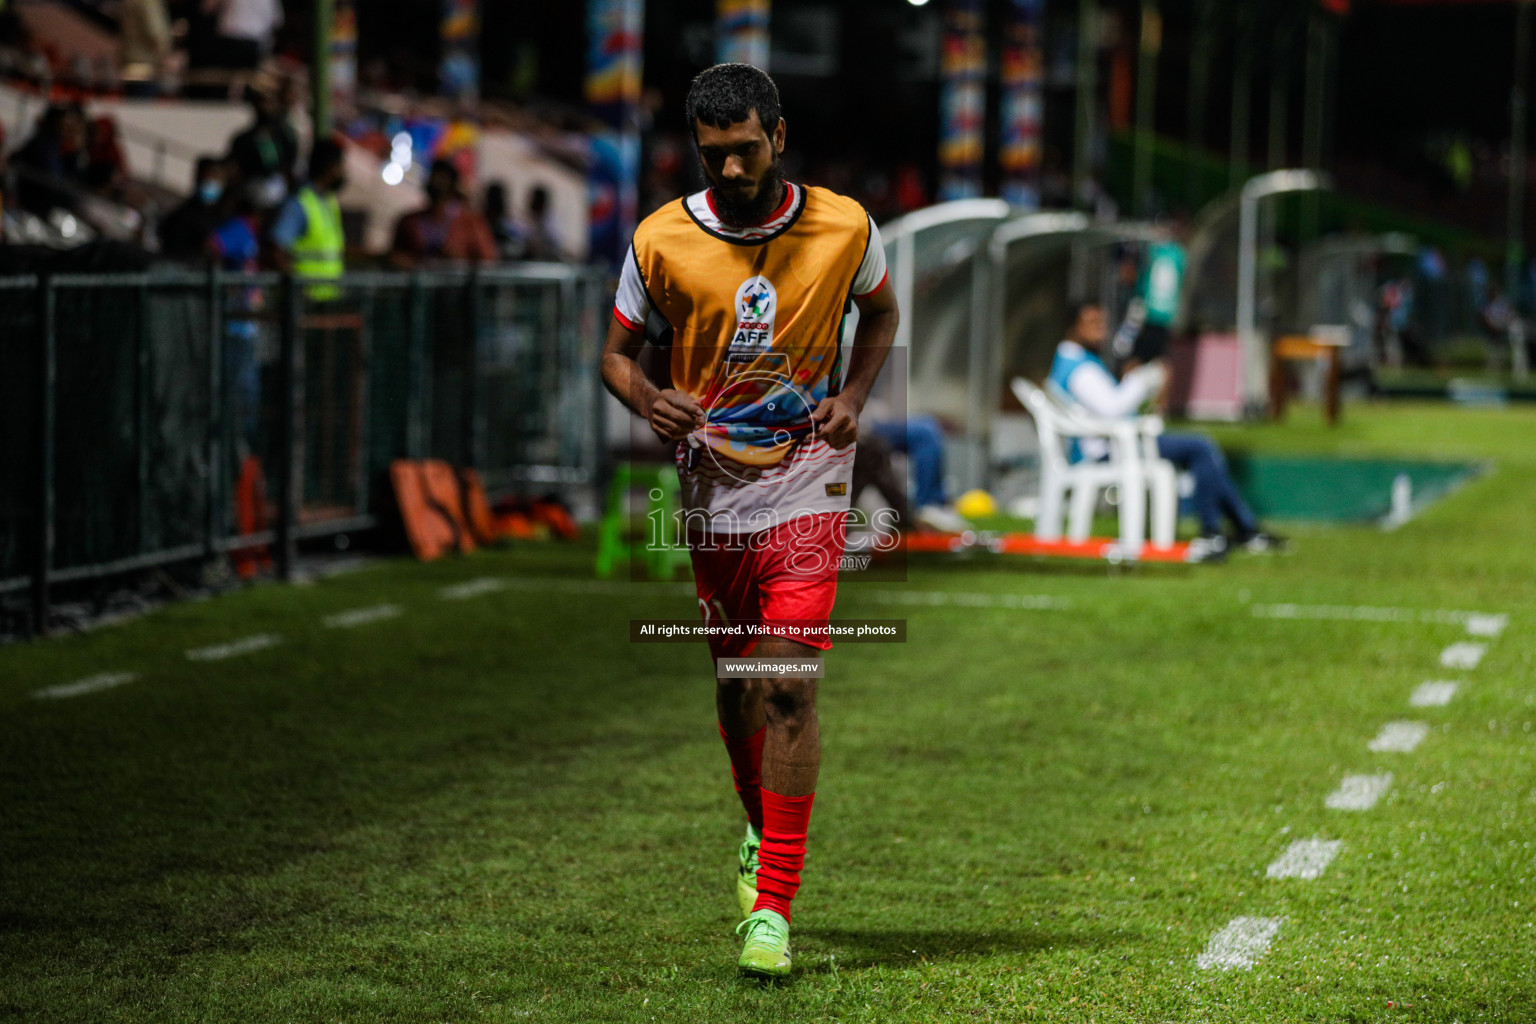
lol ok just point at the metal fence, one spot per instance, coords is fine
(153, 418)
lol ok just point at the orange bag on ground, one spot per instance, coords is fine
(441, 488)
(477, 510)
(430, 532)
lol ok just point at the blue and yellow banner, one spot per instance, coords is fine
(614, 39)
(741, 32)
(962, 101)
(458, 73)
(1023, 104)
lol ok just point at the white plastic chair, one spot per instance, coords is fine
(1133, 468)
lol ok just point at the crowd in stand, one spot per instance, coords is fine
(198, 47)
(252, 207)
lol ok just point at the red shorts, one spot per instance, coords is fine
(784, 579)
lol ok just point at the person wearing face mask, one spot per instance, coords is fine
(447, 229)
(185, 231)
(306, 238)
(267, 152)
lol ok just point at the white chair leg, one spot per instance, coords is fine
(1133, 513)
(1165, 504)
(1048, 514)
(1084, 497)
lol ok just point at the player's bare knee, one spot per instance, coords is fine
(736, 687)
(791, 702)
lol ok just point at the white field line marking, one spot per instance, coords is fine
(1433, 694)
(472, 588)
(1463, 655)
(1305, 858)
(90, 684)
(1486, 625)
(361, 616)
(1239, 944)
(1399, 737)
(249, 645)
(1366, 613)
(1359, 792)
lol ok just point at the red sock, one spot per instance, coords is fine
(747, 771)
(785, 822)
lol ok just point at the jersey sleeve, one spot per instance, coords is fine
(631, 305)
(871, 272)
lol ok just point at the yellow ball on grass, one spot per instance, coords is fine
(976, 505)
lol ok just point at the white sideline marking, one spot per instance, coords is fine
(361, 616)
(1239, 944)
(1399, 737)
(1463, 655)
(90, 684)
(1366, 613)
(472, 588)
(1359, 792)
(250, 644)
(1486, 625)
(1433, 694)
(1305, 858)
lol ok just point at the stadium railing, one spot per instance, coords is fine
(144, 415)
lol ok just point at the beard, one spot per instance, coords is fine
(770, 193)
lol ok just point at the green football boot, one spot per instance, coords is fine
(766, 951)
(746, 875)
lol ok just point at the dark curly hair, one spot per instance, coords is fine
(726, 94)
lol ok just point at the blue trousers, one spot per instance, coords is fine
(1214, 491)
(922, 439)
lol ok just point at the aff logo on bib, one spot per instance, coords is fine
(756, 304)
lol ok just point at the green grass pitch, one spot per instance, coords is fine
(498, 809)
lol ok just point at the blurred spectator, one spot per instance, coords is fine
(235, 241)
(267, 153)
(1477, 282)
(235, 245)
(1147, 330)
(873, 466)
(1496, 315)
(307, 238)
(147, 49)
(246, 30)
(446, 229)
(56, 156)
(538, 228)
(106, 169)
(1400, 339)
(505, 231)
(185, 231)
(922, 439)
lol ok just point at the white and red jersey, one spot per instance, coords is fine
(757, 316)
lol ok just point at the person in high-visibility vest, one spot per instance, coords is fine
(306, 237)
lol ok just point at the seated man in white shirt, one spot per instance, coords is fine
(1079, 377)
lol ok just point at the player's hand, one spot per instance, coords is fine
(836, 421)
(675, 414)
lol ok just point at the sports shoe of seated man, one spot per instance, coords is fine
(1208, 548)
(943, 519)
(1261, 542)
